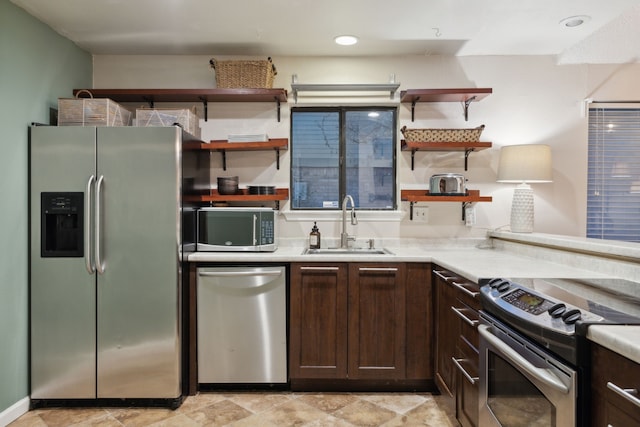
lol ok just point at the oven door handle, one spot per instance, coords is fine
(514, 357)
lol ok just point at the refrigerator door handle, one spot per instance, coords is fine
(88, 231)
(98, 214)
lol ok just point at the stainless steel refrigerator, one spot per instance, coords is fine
(105, 263)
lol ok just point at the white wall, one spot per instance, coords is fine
(533, 101)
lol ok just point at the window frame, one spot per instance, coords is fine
(342, 156)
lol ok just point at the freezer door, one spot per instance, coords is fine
(139, 236)
(62, 294)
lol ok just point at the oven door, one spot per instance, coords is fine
(521, 384)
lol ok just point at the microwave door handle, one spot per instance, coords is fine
(88, 230)
(255, 221)
(522, 363)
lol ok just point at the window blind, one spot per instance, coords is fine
(613, 200)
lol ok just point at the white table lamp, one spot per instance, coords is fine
(524, 164)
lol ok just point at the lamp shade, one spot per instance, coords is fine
(529, 163)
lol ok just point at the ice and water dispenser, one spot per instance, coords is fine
(62, 222)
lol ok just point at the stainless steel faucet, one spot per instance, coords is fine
(344, 237)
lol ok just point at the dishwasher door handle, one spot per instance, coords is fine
(240, 273)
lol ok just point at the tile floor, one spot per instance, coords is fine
(264, 410)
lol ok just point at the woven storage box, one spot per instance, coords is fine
(91, 112)
(186, 118)
(247, 74)
(442, 135)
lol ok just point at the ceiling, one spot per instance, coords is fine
(307, 27)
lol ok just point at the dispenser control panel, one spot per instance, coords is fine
(62, 220)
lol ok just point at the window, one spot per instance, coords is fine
(613, 200)
(340, 151)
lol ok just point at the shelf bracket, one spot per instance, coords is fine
(277, 107)
(411, 211)
(277, 158)
(413, 107)
(206, 107)
(413, 156)
(467, 102)
(224, 159)
(464, 206)
(466, 157)
(277, 205)
(149, 100)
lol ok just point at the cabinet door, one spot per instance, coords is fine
(318, 327)
(377, 321)
(447, 333)
(419, 352)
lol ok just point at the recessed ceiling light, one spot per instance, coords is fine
(574, 21)
(346, 40)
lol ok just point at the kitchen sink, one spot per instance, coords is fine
(347, 251)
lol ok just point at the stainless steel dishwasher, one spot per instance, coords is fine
(242, 326)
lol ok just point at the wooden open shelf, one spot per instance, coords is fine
(424, 196)
(414, 196)
(464, 95)
(242, 196)
(467, 147)
(222, 146)
(151, 96)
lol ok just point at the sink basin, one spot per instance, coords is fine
(347, 251)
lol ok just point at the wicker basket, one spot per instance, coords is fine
(247, 74)
(91, 112)
(442, 135)
(185, 118)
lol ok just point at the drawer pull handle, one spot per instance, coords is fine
(440, 274)
(460, 314)
(382, 269)
(629, 394)
(469, 378)
(320, 268)
(465, 290)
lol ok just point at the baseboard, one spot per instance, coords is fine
(14, 412)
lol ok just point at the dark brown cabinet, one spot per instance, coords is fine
(377, 321)
(318, 313)
(447, 333)
(360, 322)
(457, 308)
(615, 384)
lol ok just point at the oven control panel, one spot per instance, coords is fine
(527, 301)
(532, 307)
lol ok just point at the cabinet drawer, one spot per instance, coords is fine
(470, 319)
(467, 292)
(617, 379)
(467, 388)
(468, 358)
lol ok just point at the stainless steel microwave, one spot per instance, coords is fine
(237, 230)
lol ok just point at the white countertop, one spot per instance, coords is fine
(471, 262)
(624, 340)
(474, 262)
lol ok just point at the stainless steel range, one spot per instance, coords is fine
(534, 355)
